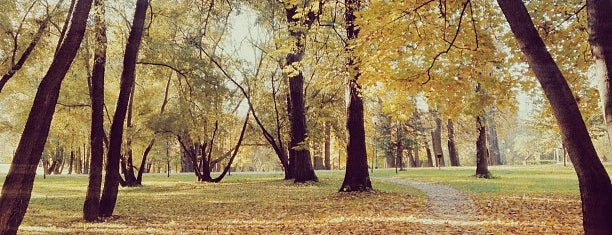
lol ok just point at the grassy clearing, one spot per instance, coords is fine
(520, 200)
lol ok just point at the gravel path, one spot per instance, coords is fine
(443, 201)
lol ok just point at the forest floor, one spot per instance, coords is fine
(520, 200)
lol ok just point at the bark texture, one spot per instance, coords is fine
(298, 26)
(593, 180)
(356, 177)
(17, 188)
(600, 39)
(128, 76)
(96, 94)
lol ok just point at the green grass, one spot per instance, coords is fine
(508, 180)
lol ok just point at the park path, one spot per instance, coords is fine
(445, 202)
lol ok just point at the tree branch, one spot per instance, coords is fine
(452, 42)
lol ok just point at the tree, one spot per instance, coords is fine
(436, 140)
(594, 182)
(299, 20)
(96, 93)
(17, 188)
(600, 39)
(17, 65)
(111, 180)
(482, 151)
(356, 177)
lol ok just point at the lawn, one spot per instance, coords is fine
(520, 200)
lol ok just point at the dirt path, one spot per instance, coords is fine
(444, 201)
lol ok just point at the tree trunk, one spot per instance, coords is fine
(399, 158)
(417, 161)
(600, 39)
(111, 182)
(127, 165)
(594, 182)
(452, 149)
(356, 176)
(482, 153)
(494, 153)
(96, 94)
(142, 168)
(71, 162)
(411, 159)
(429, 157)
(186, 164)
(327, 153)
(437, 142)
(236, 148)
(298, 144)
(17, 188)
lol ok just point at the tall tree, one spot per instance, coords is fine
(356, 177)
(96, 93)
(600, 39)
(593, 180)
(128, 76)
(17, 188)
(300, 20)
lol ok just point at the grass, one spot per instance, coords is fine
(508, 180)
(541, 199)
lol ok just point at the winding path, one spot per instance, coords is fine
(444, 201)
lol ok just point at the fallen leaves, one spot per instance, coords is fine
(261, 205)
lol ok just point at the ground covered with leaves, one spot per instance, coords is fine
(266, 204)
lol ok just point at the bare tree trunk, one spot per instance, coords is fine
(111, 182)
(600, 39)
(452, 149)
(91, 205)
(593, 180)
(356, 176)
(236, 148)
(429, 157)
(482, 152)
(494, 153)
(411, 159)
(327, 146)
(71, 162)
(298, 26)
(142, 168)
(399, 156)
(417, 161)
(436, 140)
(17, 188)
